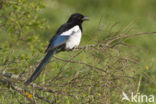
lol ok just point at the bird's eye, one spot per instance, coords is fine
(80, 17)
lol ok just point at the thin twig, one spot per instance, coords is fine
(79, 62)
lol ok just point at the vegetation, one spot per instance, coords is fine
(117, 51)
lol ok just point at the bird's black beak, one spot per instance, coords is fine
(85, 18)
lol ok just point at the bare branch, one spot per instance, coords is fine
(79, 62)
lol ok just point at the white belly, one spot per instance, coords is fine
(74, 40)
(74, 37)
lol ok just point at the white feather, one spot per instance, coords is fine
(75, 37)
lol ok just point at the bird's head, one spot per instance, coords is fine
(77, 18)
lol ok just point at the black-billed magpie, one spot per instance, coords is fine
(67, 37)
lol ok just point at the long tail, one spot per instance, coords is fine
(40, 67)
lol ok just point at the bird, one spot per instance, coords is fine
(67, 37)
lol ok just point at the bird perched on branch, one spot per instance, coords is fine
(67, 37)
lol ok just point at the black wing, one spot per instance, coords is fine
(63, 28)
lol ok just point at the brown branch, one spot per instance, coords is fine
(122, 36)
(9, 75)
(108, 43)
(21, 90)
(79, 62)
(9, 84)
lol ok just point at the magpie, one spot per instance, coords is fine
(67, 37)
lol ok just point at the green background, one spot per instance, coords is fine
(26, 27)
